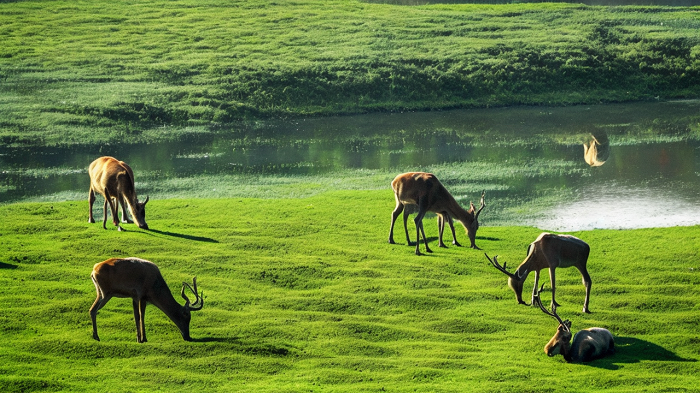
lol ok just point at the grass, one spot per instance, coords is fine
(88, 72)
(305, 294)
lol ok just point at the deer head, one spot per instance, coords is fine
(183, 323)
(474, 226)
(515, 282)
(561, 342)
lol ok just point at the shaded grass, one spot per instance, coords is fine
(306, 294)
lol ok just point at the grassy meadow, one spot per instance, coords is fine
(77, 72)
(305, 294)
(302, 290)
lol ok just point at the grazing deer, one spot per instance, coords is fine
(588, 344)
(426, 191)
(141, 280)
(549, 251)
(114, 180)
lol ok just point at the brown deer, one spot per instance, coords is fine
(549, 251)
(114, 180)
(426, 191)
(141, 280)
(588, 344)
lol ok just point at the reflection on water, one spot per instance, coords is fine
(614, 206)
(527, 159)
(597, 149)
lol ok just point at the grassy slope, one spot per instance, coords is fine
(89, 71)
(306, 295)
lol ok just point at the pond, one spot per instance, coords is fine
(644, 170)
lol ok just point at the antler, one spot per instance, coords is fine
(198, 301)
(553, 314)
(482, 205)
(495, 264)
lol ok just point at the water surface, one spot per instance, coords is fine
(530, 161)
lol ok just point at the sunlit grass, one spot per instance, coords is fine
(306, 294)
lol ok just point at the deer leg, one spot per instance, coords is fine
(422, 209)
(405, 226)
(125, 216)
(113, 207)
(395, 214)
(91, 201)
(96, 306)
(104, 219)
(534, 290)
(441, 229)
(139, 313)
(552, 280)
(450, 222)
(586, 278)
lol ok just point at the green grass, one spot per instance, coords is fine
(93, 72)
(305, 294)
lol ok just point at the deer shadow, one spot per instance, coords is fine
(184, 236)
(629, 350)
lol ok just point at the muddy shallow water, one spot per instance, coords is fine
(640, 167)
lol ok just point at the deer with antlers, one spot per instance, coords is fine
(588, 344)
(425, 191)
(114, 180)
(141, 280)
(549, 251)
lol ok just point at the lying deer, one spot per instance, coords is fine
(141, 280)
(426, 191)
(549, 251)
(588, 344)
(114, 180)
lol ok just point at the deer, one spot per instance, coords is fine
(425, 190)
(549, 251)
(142, 281)
(588, 344)
(114, 180)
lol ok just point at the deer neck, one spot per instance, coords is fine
(529, 264)
(164, 300)
(462, 215)
(565, 351)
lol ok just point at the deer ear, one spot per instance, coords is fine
(146, 201)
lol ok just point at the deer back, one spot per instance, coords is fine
(110, 174)
(128, 277)
(592, 343)
(551, 251)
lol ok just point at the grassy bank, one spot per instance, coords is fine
(305, 294)
(95, 72)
